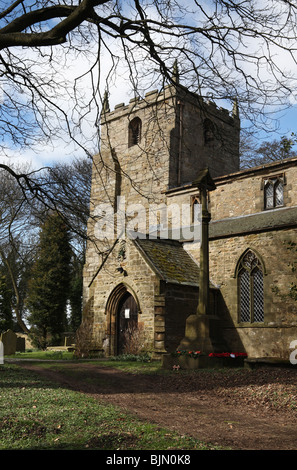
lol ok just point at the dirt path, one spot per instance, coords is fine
(231, 410)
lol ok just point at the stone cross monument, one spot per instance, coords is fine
(197, 331)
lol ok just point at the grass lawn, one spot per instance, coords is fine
(37, 414)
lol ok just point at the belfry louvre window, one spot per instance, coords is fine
(250, 288)
(273, 192)
(209, 131)
(134, 132)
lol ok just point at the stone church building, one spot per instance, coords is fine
(142, 269)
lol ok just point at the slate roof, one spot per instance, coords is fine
(173, 264)
(169, 260)
(262, 221)
(274, 219)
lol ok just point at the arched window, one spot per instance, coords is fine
(134, 132)
(195, 208)
(273, 193)
(250, 288)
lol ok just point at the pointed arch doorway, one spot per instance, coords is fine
(127, 321)
(122, 310)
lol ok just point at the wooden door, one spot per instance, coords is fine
(127, 320)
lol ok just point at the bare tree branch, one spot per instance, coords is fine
(13, 34)
(225, 49)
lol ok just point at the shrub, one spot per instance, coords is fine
(135, 340)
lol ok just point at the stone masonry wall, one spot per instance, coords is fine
(139, 173)
(242, 193)
(280, 311)
(217, 149)
(139, 279)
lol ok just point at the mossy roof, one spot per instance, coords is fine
(275, 219)
(263, 221)
(169, 260)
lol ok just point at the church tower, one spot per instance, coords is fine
(157, 143)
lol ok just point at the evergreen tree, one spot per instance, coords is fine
(49, 284)
(76, 292)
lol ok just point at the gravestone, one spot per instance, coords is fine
(9, 340)
(20, 344)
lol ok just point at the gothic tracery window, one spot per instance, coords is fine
(273, 193)
(134, 132)
(250, 288)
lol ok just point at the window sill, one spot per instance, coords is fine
(251, 325)
(273, 208)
